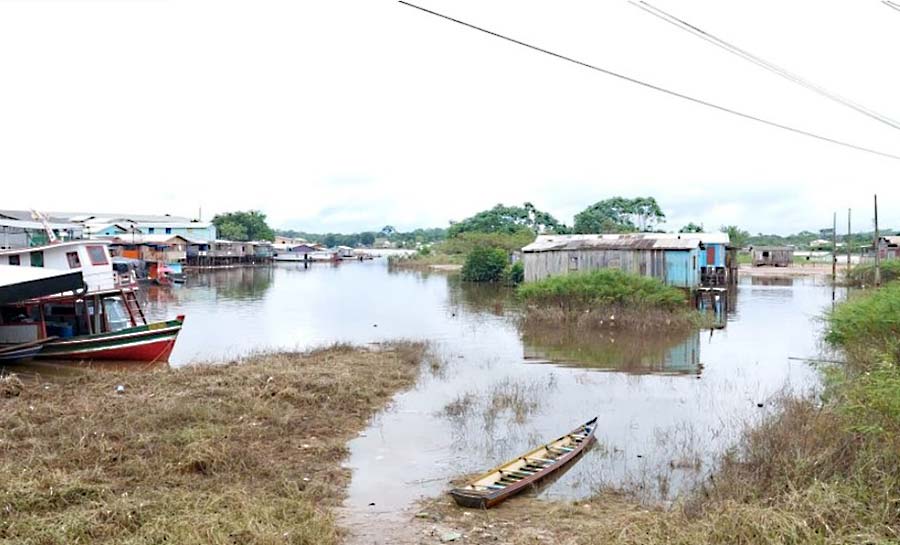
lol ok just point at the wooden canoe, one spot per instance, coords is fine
(521, 473)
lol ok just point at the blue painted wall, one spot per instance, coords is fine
(719, 258)
(683, 268)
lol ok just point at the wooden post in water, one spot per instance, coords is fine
(877, 257)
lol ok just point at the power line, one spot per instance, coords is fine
(890, 4)
(655, 87)
(715, 40)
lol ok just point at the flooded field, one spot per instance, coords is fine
(667, 405)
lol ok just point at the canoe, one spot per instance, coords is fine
(525, 471)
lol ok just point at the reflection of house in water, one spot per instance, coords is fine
(784, 281)
(617, 351)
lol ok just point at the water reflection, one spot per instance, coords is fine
(784, 281)
(616, 351)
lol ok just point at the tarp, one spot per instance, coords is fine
(22, 283)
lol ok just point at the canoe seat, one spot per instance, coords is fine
(542, 460)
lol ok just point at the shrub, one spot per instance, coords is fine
(864, 275)
(485, 265)
(868, 326)
(605, 287)
(517, 273)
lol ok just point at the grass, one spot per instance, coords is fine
(247, 452)
(606, 299)
(868, 326)
(864, 275)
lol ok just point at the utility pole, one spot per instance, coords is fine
(849, 236)
(833, 256)
(877, 257)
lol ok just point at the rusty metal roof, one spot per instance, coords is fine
(631, 241)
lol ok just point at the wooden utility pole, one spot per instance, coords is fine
(877, 257)
(849, 236)
(834, 255)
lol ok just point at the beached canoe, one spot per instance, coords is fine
(516, 475)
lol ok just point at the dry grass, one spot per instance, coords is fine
(243, 453)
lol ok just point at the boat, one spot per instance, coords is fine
(75, 296)
(22, 351)
(525, 471)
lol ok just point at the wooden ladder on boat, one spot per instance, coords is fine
(133, 307)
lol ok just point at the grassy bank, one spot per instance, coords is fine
(244, 453)
(864, 275)
(820, 470)
(606, 298)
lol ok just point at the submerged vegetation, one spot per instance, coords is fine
(247, 452)
(606, 298)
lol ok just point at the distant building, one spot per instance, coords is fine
(772, 256)
(889, 247)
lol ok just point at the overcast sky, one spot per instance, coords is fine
(343, 116)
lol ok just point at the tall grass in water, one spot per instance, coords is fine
(606, 298)
(864, 275)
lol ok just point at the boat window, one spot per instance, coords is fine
(74, 261)
(97, 255)
(116, 315)
(37, 259)
(14, 260)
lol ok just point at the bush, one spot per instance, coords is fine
(864, 275)
(868, 326)
(517, 273)
(466, 242)
(606, 287)
(485, 265)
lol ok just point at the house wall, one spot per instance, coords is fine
(194, 233)
(775, 258)
(682, 268)
(540, 265)
(716, 251)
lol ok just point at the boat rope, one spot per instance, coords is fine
(658, 88)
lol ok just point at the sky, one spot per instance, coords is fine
(350, 115)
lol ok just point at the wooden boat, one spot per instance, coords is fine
(514, 476)
(22, 351)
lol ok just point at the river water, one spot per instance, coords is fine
(667, 405)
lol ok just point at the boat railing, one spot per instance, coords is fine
(125, 280)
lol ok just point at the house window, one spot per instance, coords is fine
(97, 255)
(765, 254)
(72, 258)
(37, 259)
(150, 230)
(573, 263)
(168, 230)
(14, 260)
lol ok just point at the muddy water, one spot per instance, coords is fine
(666, 404)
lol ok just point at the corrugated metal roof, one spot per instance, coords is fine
(631, 241)
(146, 239)
(893, 240)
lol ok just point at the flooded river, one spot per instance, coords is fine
(667, 405)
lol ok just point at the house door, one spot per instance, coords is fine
(710, 255)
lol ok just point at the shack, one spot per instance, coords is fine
(889, 247)
(150, 248)
(772, 256)
(672, 259)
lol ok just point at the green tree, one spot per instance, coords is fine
(737, 237)
(620, 215)
(250, 225)
(485, 265)
(691, 228)
(367, 238)
(509, 220)
(230, 230)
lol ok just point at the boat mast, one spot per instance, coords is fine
(51, 236)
